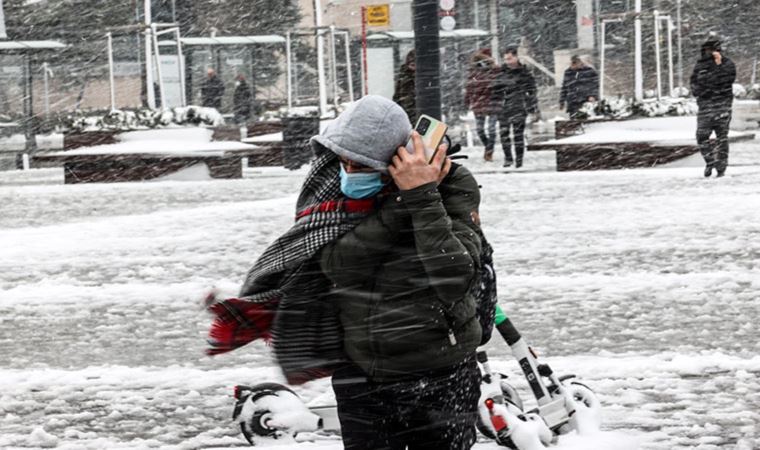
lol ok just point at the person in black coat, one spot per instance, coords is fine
(580, 84)
(241, 100)
(212, 90)
(712, 84)
(515, 90)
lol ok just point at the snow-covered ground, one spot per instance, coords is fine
(642, 282)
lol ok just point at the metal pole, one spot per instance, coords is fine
(158, 69)
(3, 34)
(657, 52)
(333, 67)
(493, 15)
(348, 67)
(638, 70)
(427, 57)
(320, 58)
(365, 81)
(476, 8)
(110, 71)
(602, 29)
(30, 131)
(289, 69)
(149, 58)
(174, 11)
(181, 61)
(680, 52)
(670, 58)
(45, 76)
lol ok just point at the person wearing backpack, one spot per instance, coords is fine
(385, 282)
(402, 282)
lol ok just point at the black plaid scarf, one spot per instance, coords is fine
(284, 296)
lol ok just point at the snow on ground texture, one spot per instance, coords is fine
(642, 282)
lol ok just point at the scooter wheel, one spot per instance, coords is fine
(257, 424)
(583, 394)
(587, 418)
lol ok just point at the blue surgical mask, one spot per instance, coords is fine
(360, 185)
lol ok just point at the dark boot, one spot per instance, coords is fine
(708, 171)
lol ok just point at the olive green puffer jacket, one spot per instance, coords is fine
(402, 280)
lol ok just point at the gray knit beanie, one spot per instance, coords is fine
(368, 132)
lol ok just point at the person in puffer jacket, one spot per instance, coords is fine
(401, 282)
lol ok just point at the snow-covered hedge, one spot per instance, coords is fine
(145, 119)
(620, 108)
(747, 92)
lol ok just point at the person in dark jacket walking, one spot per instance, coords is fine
(579, 85)
(479, 98)
(241, 100)
(404, 93)
(212, 90)
(401, 282)
(515, 88)
(712, 84)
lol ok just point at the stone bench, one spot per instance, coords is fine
(587, 146)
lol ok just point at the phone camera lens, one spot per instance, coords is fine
(423, 126)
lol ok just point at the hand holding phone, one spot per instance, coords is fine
(432, 132)
(413, 169)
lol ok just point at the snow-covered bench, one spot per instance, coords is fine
(627, 144)
(152, 154)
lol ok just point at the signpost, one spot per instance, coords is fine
(373, 16)
(378, 15)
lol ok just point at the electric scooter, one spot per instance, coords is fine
(563, 405)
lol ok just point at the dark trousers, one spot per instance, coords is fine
(486, 127)
(517, 123)
(573, 108)
(718, 120)
(434, 411)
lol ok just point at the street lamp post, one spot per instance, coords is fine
(427, 57)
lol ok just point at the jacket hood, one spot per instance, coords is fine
(368, 132)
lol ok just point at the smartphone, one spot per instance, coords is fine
(432, 132)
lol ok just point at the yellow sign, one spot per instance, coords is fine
(378, 15)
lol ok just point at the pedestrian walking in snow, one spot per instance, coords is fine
(404, 93)
(480, 99)
(212, 90)
(241, 100)
(580, 84)
(377, 284)
(402, 280)
(712, 84)
(515, 88)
